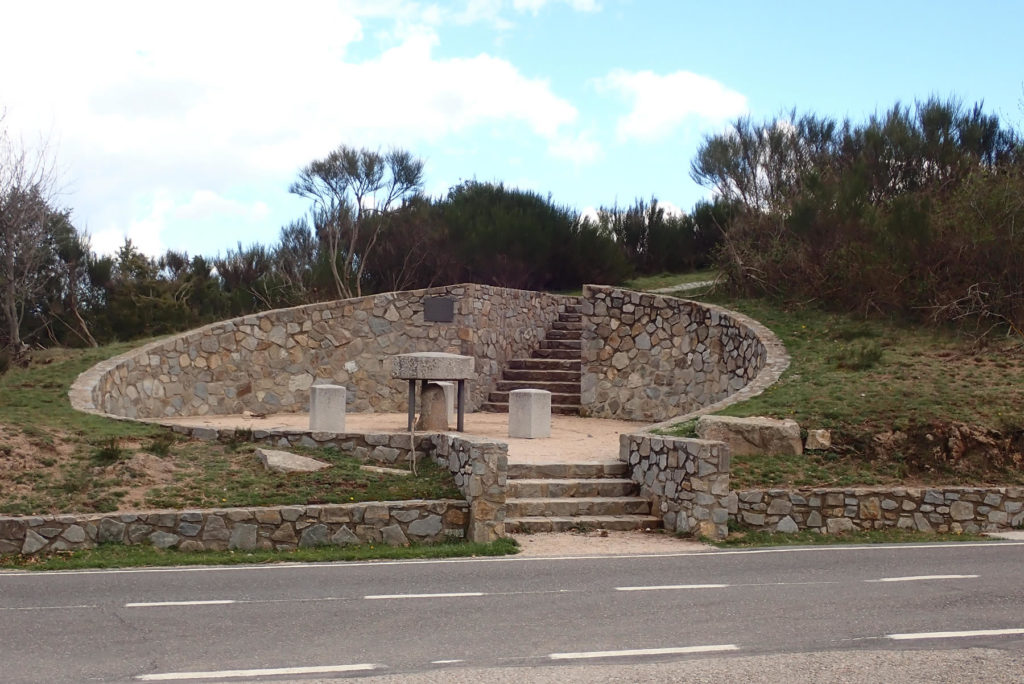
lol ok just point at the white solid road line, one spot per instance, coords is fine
(954, 635)
(664, 587)
(270, 672)
(643, 652)
(922, 578)
(458, 594)
(447, 662)
(160, 604)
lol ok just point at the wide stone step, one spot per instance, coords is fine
(559, 399)
(560, 354)
(562, 487)
(535, 524)
(542, 375)
(579, 505)
(570, 317)
(554, 334)
(563, 365)
(502, 407)
(570, 471)
(576, 326)
(575, 345)
(567, 388)
(572, 309)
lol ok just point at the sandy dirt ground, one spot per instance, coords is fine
(603, 543)
(573, 439)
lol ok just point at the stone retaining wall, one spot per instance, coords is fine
(653, 357)
(928, 509)
(275, 527)
(265, 363)
(481, 471)
(687, 481)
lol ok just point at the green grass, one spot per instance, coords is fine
(752, 538)
(117, 556)
(662, 280)
(863, 378)
(62, 460)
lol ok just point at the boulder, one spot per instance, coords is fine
(752, 435)
(286, 462)
(433, 410)
(818, 439)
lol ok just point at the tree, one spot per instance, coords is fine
(27, 188)
(354, 191)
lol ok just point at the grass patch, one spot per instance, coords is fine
(58, 460)
(118, 556)
(687, 428)
(233, 476)
(751, 538)
(812, 469)
(662, 280)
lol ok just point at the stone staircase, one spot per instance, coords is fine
(555, 497)
(554, 366)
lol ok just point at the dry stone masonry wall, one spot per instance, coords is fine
(481, 471)
(277, 527)
(266, 363)
(651, 357)
(687, 481)
(936, 509)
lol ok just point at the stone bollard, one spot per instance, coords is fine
(529, 413)
(327, 408)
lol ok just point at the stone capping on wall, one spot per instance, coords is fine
(740, 357)
(266, 362)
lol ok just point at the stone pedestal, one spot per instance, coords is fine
(529, 413)
(327, 408)
(449, 398)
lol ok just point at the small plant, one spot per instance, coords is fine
(237, 439)
(859, 356)
(161, 445)
(109, 453)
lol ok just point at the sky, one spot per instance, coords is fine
(180, 125)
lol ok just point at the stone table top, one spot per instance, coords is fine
(432, 366)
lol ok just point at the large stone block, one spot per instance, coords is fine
(752, 435)
(432, 366)
(433, 409)
(327, 408)
(529, 413)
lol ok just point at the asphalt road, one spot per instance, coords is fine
(718, 616)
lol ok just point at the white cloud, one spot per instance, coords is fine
(166, 112)
(661, 103)
(580, 149)
(534, 6)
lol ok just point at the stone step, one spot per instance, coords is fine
(582, 522)
(567, 325)
(559, 398)
(555, 334)
(574, 345)
(543, 374)
(570, 318)
(502, 407)
(572, 309)
(567, 471)
(578, 505)
(568, 388)
(561, 354)
(562, 487)
(565, 365)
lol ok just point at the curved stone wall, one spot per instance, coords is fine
(651, 357)
(265, 363)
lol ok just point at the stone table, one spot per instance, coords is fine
(426, 366)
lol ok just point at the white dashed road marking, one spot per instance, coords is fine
(241, 674)
(643, 652)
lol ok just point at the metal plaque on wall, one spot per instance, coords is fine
(438, 310)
